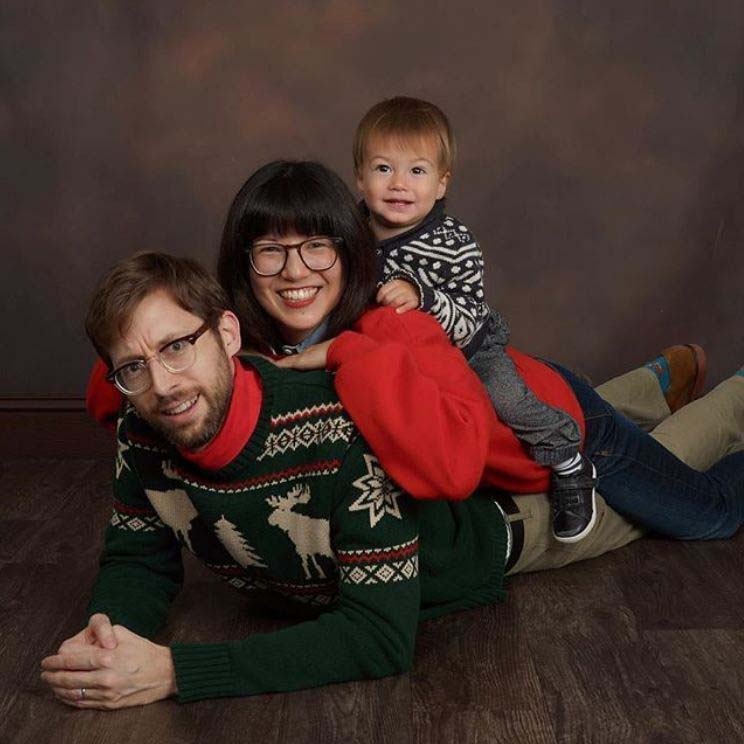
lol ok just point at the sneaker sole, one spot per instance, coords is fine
(581, 535)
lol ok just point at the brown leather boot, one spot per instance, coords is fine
(687, 365)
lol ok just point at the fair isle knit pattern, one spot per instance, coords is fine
(302, 429)
(379, 494)
(304, 517)
(443, 260)
(398, 563)
(137, 520)
(311, 593)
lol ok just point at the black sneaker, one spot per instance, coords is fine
(574, 501)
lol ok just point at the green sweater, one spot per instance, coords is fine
(303, 517)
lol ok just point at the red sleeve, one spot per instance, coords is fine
(102, 399)
(425, 413)
(422, 410)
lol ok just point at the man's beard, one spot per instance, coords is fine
(217, 399)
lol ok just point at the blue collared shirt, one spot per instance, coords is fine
(318, 334)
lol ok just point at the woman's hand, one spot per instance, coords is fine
(314, 357)
(400, 294)
(134, 672)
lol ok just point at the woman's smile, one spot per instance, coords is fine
(299, 296)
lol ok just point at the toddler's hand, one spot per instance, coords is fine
(400, 294)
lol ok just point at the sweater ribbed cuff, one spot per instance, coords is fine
(427, 299)
(203, 670)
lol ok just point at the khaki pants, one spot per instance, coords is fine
(699, 434)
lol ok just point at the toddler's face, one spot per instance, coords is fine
(399, 182)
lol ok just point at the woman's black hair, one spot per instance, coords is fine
(307, 198)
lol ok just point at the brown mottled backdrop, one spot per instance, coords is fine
(601, 153)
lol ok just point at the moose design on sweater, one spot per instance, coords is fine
(310, 535)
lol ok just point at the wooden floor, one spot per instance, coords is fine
(644, 645)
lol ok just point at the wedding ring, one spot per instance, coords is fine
(82, 693)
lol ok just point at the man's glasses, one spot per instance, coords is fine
(318, 254)
(176, 356)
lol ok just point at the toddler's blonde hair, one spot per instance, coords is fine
(403, 119)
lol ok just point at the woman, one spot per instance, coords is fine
(297, 261)
(289, 299)
(279, 200)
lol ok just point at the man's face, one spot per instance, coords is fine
(187, 407)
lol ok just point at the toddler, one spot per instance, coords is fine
(404, 152)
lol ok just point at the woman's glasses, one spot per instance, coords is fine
(318, 254)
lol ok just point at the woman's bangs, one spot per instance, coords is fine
(290, 207)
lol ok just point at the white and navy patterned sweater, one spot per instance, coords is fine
(443, 260)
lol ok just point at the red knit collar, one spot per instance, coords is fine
(239, 424)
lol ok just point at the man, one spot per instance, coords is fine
(261, 473)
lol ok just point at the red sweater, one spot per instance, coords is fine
(417, 403)
(426, 414)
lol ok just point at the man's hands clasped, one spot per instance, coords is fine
(106, 666)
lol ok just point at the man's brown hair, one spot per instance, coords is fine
(122, 289)
(402, 118)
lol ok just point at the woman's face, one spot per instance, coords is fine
(298, 299)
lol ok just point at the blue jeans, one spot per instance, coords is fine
(648, 485)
